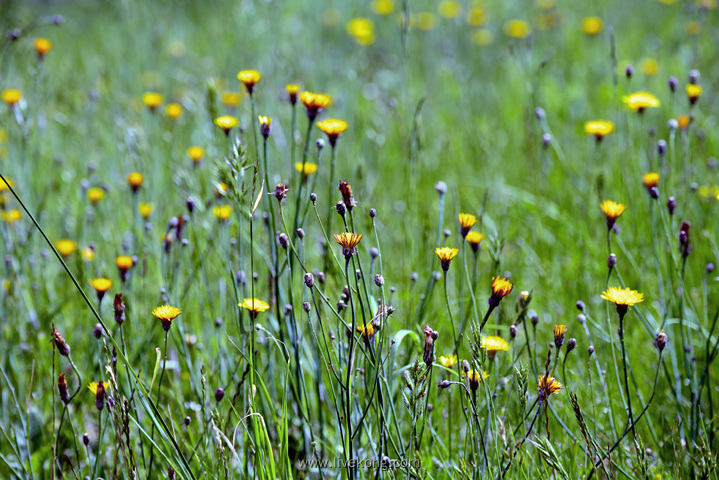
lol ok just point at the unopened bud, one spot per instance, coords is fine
(611, 261)
(306, 307)
(219, 394)
(571, 344)
(379, 280)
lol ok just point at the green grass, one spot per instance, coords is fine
(423, 106)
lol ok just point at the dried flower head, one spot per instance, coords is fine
(346, 191)
(62, 347)
(446, 254)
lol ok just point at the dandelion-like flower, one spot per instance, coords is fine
(152, 100)
(265, 123)
(306, 168)
(493, 345)
(173, 111)
(101, 285)
(348, 241)
(466, 222)
(501, 287)
(88, 253)
(166, 314)
(559, 332)
(474, 377)
(448, 361)
(292, 91)
(333, 128)
(96, 194)
(683, 121)
(135, 181)
(12, 216)
(623, 298)
(474, 239)
(66, 247)
(446, 254)
(42, 46)
(592, 25)
(249, 78)
(124, 264)
(226, 123)
(314, 103)
(598, 128)
(196, 153)
(612, 210)
(231, 99)
(11, 96)
(650, 179)
(517, 29)
(222, 212)
(693, 93)
(99, 389)
(254, 306)
(145, 209)
(548, 386)
(639, 101)
(366, 331)
(362, 30)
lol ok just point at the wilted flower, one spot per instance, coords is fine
(430, 336)
(62, 388)
(119, 307)
(62, 347)
(347, 198)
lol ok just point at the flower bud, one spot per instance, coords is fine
(611, 261)
(571, 344)
(513, 331)
(673, 82)
(710, 268)
(444, 384)
(546, 140)
(540, 113)
(300, 233)
(661, 341)
(341, 210)
(85, 439)
(62, 388)
(313, 197)
(372, 212)
(374, 252)
(283, 240)
(441, 188)
(629, 71)
(590, 350)
(320, 144)
(671, 205)
(187, 421)
(693, 76)
(119, 307)
(379, 280)
(62, 347)
(654, 193)
(672, 124)
(662, 147)
(306, 307)
(219, 394)
(580, 305)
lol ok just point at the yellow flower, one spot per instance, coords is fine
(622, 297)
(6, 184)
(333, 128)
(693, 92)
(482, 37)
(517, 29)
(446, 254)
(152, 100)
(348, 241)
(174, 111)
(314, 103)
(449, 8)
(548, 386)
(466, 222)
(474, 239)
(42, 46)
(96, 194)
(66, 247)
(254, 306)
(382, 7)
(592, 25)
(196, 153)
(598, 128)
(306, 168)
(124, 262)
(475, 17)
(612, 210)
(166, 314)
(101, 285)
(474, 377)
(226, 123)
(135, 180)
(221, 189)
(93, 386)
(265, 123)
(650, 67)
(145, 209)
(559, 332)
(426, 21)
(501, 287)
(12, 216)
(694, 28)
(231, 99)
(362, 30)
(11, 96)
(222, 212)
(546, 4)
(88, 254)
(683, 121)
(650, 179)
(366, 331)
(249, 78)
(639, 101)
(494, 345)
(292, 90)
(449, 361)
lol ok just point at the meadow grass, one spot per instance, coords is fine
(215, 317)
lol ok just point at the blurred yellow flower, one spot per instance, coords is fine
(649, 66)
(639, 101)
(101, 284)
(96, 194)
(474, 239)
(42, 46)
(449, 361)
(173, 111)
(11, 96)
(494, 345)
(612, 210)
(231, 99)
(152, 100)
(517, 29)
(693, 93)
(362, 30)
(222, 212)
(88, 254)
(683, 121)
(65, 247)
(476, 17)
(482, 37)
(694, 28)
(598, 128)
(650, 179)
(309, 168)
(145, 209)
(254, 306)
(426, 21)
(546, 4)
(292, 90)
(592, 25)
(220, 189)
(135, 181)
(12, 215)
(226, 123)
(382, 7)
(5, 184)
(94, 385)
(449, 8)
(196, 153)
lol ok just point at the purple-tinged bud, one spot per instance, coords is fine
(341, 209)
(580, 305)
(306, 307)
(283, 240)
(661, 341)
(513, 331)
(581, 318)
(379, 280)
(320, 144)
(413, 276)
(190, 203)
(673, 82)
(671, 205)
(97, 330)
(672, 124)
(14, 34)
(534, 318)
(309, 280)
(662, 147)
(571, 344)
(444, 384)
(313, 197)
(611, 261)
(629, 71)
(219, 394)
(85, 439)
(187, 421)
(372, 212)
(590, 350)
(546, 140)
(374, 252)
(441, 188)
(710, 268)
(693, 76)
(654, 192)
(540, 113)
(300, 233)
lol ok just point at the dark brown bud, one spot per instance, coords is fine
(219, 394)
(62, 347)
(280, 192)
(444, 384)
(661, 341)
(347, 198)
(62, 388)
(119, 306)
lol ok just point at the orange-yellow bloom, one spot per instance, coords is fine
(152, 100)
(348, 241)
(166, 314)
(548, 386)
(598, 128)
(333, 128)
(639, 101)
(446, 254)
(249, 78)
